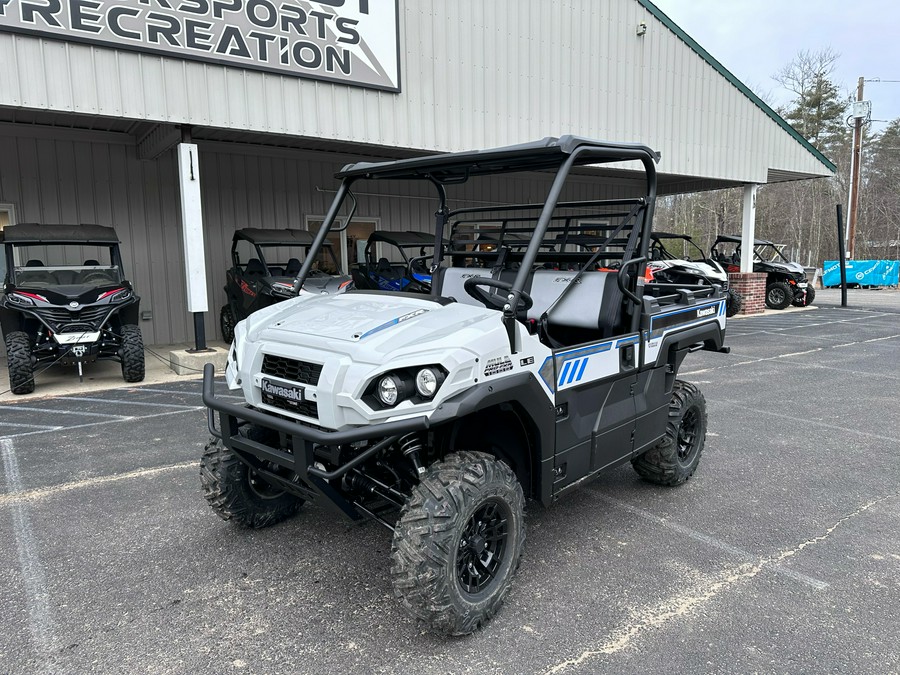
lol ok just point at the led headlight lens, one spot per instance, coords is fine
(388, 391)
(426, 382)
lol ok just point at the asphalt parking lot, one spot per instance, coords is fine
(781, 554)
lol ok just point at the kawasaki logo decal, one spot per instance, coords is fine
(286, 392)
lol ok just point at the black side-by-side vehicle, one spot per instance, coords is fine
(66, 300)
(264, 263)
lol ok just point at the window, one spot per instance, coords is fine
(7, 217)
(349, 244)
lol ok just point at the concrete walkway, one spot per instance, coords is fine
(62, 380)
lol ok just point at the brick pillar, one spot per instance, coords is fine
(752, 287)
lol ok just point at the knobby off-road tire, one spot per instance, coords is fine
(236, 493)
(779, 295)
(734, 303)
(675, 458)
(458, 543)
(808, 297)
(132, 353)
(226, 323)
(20, 362)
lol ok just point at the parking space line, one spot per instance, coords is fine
(744, 363)
(172, 391)
(19, 496)
(862, 342)
(682, 604)
(195, 391)
(743, 406)
(41, 624)
(118, 402)
(30, 426)
(51, 411)
(747, 556)
(105, 422)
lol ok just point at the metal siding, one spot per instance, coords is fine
(525, 69)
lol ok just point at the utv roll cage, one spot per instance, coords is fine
(757, 245)
(261, 238)
(538, 220)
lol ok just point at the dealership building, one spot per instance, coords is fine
(179, 121)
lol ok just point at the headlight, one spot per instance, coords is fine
(121, 296)
(282, 288)
(19, 299)
(389, 389)
(426, 382)
(417, 384)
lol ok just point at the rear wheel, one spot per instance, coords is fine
(132, 353)
(779, 295)
(236, 492)
(20, 362)
(458, 542)
(226, 323)
(734, 303)
(675, 458)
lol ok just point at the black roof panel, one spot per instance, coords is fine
(736, 239)
(285, 237)
(407, 238)
(36, 233)
(547, 153)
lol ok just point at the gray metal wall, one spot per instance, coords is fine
(57, 175)
(474, 74)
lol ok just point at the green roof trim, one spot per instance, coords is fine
(724, 72)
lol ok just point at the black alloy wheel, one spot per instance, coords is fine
(482, 546)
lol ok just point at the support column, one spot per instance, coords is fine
(748, 228)
(192, 237)
(751, 287)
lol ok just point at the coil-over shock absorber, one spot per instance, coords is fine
(410, 445)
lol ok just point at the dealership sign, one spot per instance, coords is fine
(349, 41)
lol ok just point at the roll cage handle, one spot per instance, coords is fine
(620, 278)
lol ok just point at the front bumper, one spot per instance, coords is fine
(297, 452)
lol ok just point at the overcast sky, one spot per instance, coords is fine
(754, 39)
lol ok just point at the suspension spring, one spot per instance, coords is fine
(410, 446)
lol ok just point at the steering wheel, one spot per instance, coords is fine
(494, 301)
(95, 276)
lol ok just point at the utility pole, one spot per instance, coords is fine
(854, 176)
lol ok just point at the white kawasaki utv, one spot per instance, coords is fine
(526, 371)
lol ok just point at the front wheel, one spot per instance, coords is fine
(20, 362)
(235, 492)
(734, 303)
(458, 542)
(132, 353)
(779, 295)
(675, 457)
(808, 297)
(226, 323)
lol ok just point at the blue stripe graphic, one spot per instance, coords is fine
(581, 370)
(565, 370)
(572, 372)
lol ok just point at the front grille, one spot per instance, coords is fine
(61, 320)
(302, 372)
(305, 408)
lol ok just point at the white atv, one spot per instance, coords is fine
(526, 371)
(683, 262)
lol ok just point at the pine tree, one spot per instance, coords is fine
(817, 111)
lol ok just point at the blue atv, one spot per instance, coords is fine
(400, 263)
